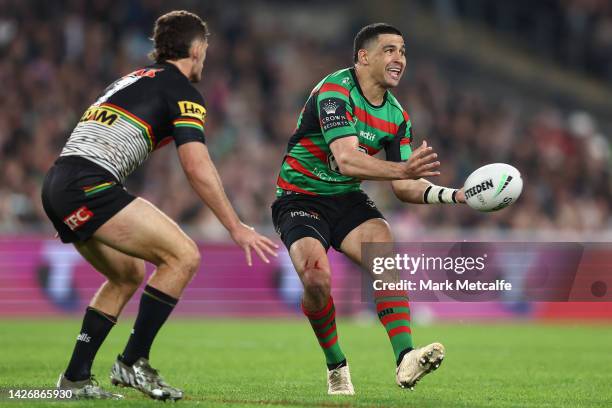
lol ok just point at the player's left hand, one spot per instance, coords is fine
(249, 239)
(460, 196)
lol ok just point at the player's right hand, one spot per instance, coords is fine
(248, 239)
(422, 163)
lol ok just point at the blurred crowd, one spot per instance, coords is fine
(264, 59)
(575, 33)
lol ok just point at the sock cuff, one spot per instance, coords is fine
(336, 365)
(160, 296)
(106, 316)
(321, 313)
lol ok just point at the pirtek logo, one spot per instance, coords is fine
(84, 337)
(302, 213)
(78, 218)
(479, 188)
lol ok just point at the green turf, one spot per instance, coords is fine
(278, 363)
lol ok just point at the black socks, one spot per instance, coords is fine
(96, 326)
(155, 307)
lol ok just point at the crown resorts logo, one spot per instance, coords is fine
(330, 107)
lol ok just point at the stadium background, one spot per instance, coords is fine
(486, 82)
(522, 82)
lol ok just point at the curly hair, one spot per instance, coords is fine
(173, 34)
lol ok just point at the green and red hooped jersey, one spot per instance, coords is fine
(336, 108)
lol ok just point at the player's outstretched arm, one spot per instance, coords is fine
(204, 178)
(354, 163)
(422, 191)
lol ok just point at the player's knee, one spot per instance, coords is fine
(189, 260)
(135, 274)
(317, 281)
(193, 261)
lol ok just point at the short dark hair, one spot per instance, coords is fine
(173, 34)
(369, 33)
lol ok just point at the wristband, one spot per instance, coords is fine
(439, 195)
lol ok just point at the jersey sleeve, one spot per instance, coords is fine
(335, 112)
(187, 114)
(400, 147)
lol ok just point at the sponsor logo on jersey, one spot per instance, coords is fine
(329, 106)
(78, 218)
(323, 175)
(479, 188)
(302, 213)
(333, 113)
(192, 109)
(99, 114)
(146, 72)
(367, 135)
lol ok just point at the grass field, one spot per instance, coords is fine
(278, 363)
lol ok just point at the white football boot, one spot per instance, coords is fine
(339, 381)
(417, 363)
(85, 389)
(145, 379)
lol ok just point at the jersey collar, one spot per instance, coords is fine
(352, 71)
(171, 67)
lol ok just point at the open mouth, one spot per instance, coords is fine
(395, 72)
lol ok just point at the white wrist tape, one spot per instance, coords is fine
(439, 195)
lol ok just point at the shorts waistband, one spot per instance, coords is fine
(284, 193)
(81, 161)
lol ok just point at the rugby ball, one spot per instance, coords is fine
(493, 187)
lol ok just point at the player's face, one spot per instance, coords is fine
(198, 55)
(388, 59)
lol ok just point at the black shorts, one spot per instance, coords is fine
(326, 218)
(79, 196)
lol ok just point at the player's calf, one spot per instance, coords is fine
(155, 308)
(393, 309)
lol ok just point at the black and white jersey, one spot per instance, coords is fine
(135, 115)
